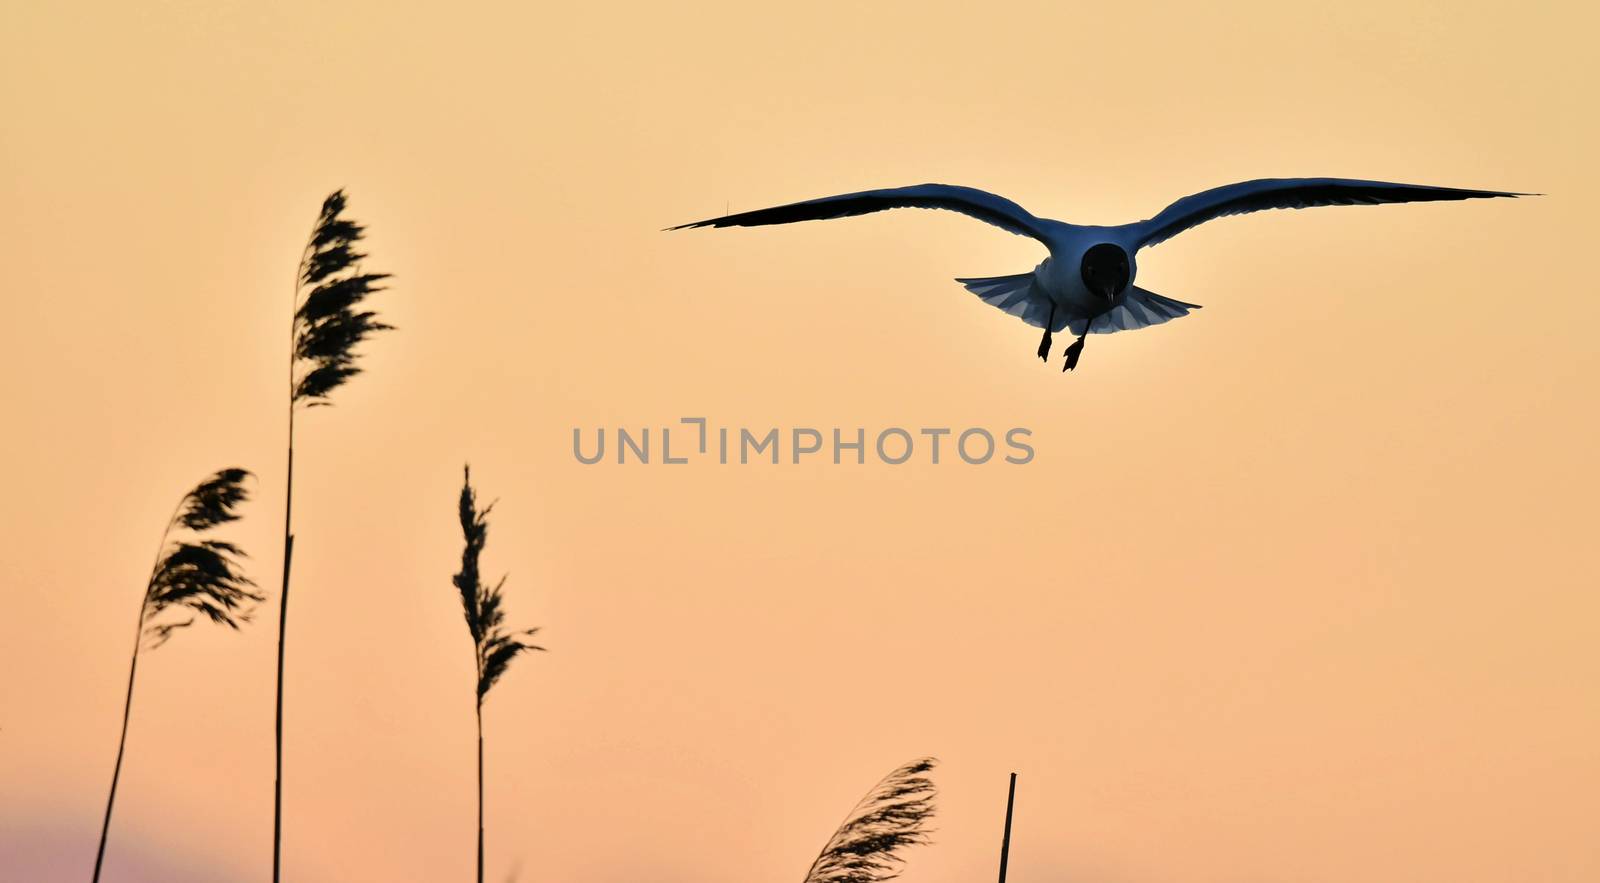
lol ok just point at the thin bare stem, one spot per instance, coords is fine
(122, 742)
(283, 591)
(1005, 839)
(283, 623)
(480, 791)
(127, 701)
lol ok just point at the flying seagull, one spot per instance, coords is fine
(1086, 284)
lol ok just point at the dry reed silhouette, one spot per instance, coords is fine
(494, 645)
(1005, 838)
(893, 815)
(202, 576)
(327, 327)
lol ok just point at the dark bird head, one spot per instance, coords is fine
(1106, 270)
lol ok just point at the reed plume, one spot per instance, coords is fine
(494, 645)
(893, 815)
(194, 574)
(328, 324)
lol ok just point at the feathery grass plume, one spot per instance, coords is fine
(196, 574)
(893, 815)
(329, 323)
(495, 646)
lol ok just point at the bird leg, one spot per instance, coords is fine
(1044, 345)
(1076, 350)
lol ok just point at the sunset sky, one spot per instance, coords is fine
(1298, 589)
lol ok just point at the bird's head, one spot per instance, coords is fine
(1106, 270)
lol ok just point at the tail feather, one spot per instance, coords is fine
(1017, 296)
(1139, 309)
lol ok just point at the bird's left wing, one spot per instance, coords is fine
(1270, 193)
(974, 203)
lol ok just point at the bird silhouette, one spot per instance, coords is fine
(1085, 285)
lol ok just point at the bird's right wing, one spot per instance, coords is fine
(973, 203)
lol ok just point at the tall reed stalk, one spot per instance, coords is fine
(329, 288)
(201, 575)
(494, 646)
(893, 815)
(1005, 838)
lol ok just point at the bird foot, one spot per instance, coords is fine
(1044, 346)
(1073, 352)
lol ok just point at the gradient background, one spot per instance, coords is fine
(1301, 588)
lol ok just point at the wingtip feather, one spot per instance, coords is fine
(690, 226)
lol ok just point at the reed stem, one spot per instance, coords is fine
(283, 591)
(480, 790)
(1005, 839)
(122, 743)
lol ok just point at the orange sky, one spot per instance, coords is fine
(1299, 588)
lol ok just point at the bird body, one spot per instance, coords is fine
(1085, 285)
(1063, 280)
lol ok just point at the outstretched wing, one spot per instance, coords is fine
(986, 207)
(1269, 193)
